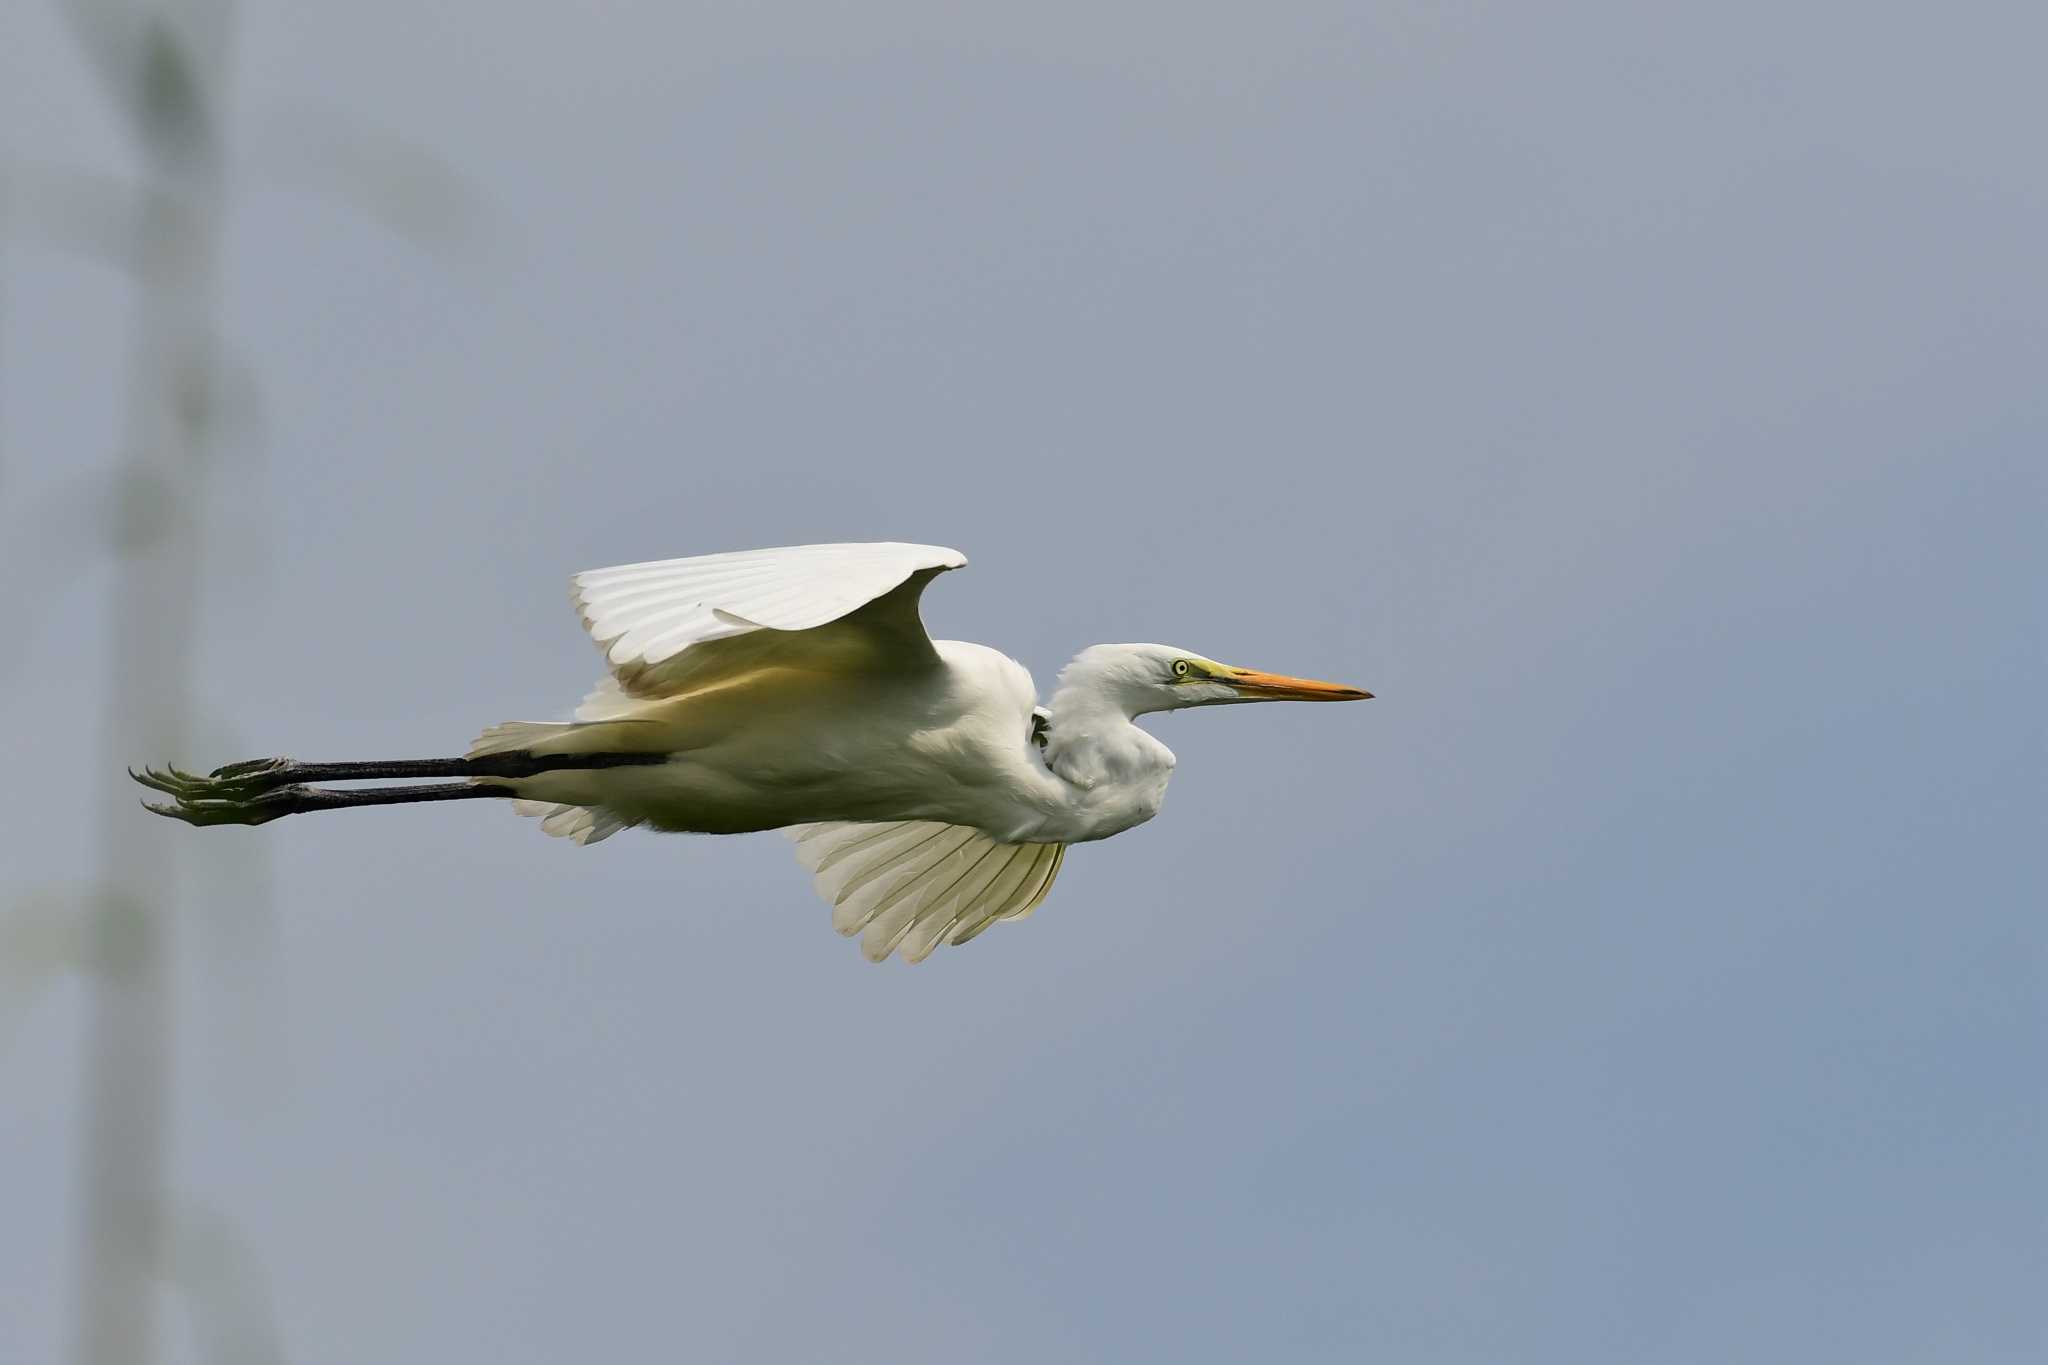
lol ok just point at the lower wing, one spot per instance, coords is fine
(914, 884)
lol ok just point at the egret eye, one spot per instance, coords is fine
(1180, 668)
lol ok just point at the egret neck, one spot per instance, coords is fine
(1115, 773)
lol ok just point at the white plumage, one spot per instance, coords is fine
(916, 883)
(659, 623)
(796, 689)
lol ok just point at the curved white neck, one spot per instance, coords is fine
(1116, 773)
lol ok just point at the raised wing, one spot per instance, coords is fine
(673, 625)
(915, 884)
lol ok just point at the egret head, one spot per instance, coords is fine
(1144, 678)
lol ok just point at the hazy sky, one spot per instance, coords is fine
(1647, 402)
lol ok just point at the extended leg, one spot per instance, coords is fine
(262, 789)
(265, 806)
(263, 774)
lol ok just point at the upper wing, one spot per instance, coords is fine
(675, 624)
(917, 882)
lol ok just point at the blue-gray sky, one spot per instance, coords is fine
(1646, 401)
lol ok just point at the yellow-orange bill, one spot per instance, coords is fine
(1280, 687)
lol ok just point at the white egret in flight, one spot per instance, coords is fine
(796, 689)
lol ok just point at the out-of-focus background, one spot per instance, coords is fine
(1647, 402)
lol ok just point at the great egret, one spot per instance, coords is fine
(796, 689)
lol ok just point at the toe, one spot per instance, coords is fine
(155, 781)
(250, 767)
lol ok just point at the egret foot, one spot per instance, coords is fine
(201, 804)
(248, 778)
(260, 772)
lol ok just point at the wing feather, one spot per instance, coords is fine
(578, 824)
(669, 626)
(911, 885)
(1034, 881)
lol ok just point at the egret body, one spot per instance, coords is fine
(796, 689)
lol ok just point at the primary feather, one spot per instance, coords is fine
(915, 883)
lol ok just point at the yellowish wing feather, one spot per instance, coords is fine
(907, 887)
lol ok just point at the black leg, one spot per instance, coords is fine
(262, 789)
(263, 807)
(263, 774)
